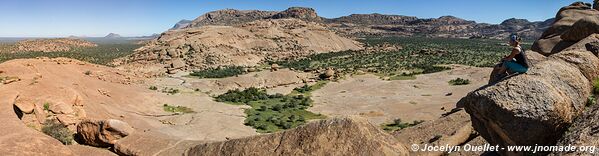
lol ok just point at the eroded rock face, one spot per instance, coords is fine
(347, 136)
(102, 133)
(536, 107)
(551, 41)
(582, 28)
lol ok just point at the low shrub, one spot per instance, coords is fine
(177, 109)
(57, 131)
(459, 81)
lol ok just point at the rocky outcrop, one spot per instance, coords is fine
(232, 17)
(244, 45)
(346, 136)
(551, 41)
(537, 107)
(51, 45)
(229, 17)
(307, 14)
(102, 133)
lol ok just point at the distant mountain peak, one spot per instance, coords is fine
(181, 24)
(113, 35)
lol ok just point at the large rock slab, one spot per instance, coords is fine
(453, 129)
(535, 108)
(345, 136)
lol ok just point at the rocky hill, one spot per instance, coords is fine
(361, 25)
(231, 17)
(51, 45)
(247, 44)
(549, 104)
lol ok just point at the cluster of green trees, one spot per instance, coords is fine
(440, 51)
(245, 96)
(272, 112)
(221, 72)
(103, 54)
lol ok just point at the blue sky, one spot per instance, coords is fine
(58, 18)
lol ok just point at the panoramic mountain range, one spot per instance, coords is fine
(363, 25)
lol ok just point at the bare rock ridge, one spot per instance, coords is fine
(538, 107)
(51, 45)
(243, 45)
(344, 136)
(359, 25)
(231, 17)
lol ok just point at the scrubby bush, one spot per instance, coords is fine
(442, 51)
(596, 86)
(171, 91)
(46, 106)
(176, 109)
(591, 100)
(459, 81)
(271, 113)
(303, 89)
(221, 72)
(398, 124)
(57, 131)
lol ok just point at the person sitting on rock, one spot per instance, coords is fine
(514, 63)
